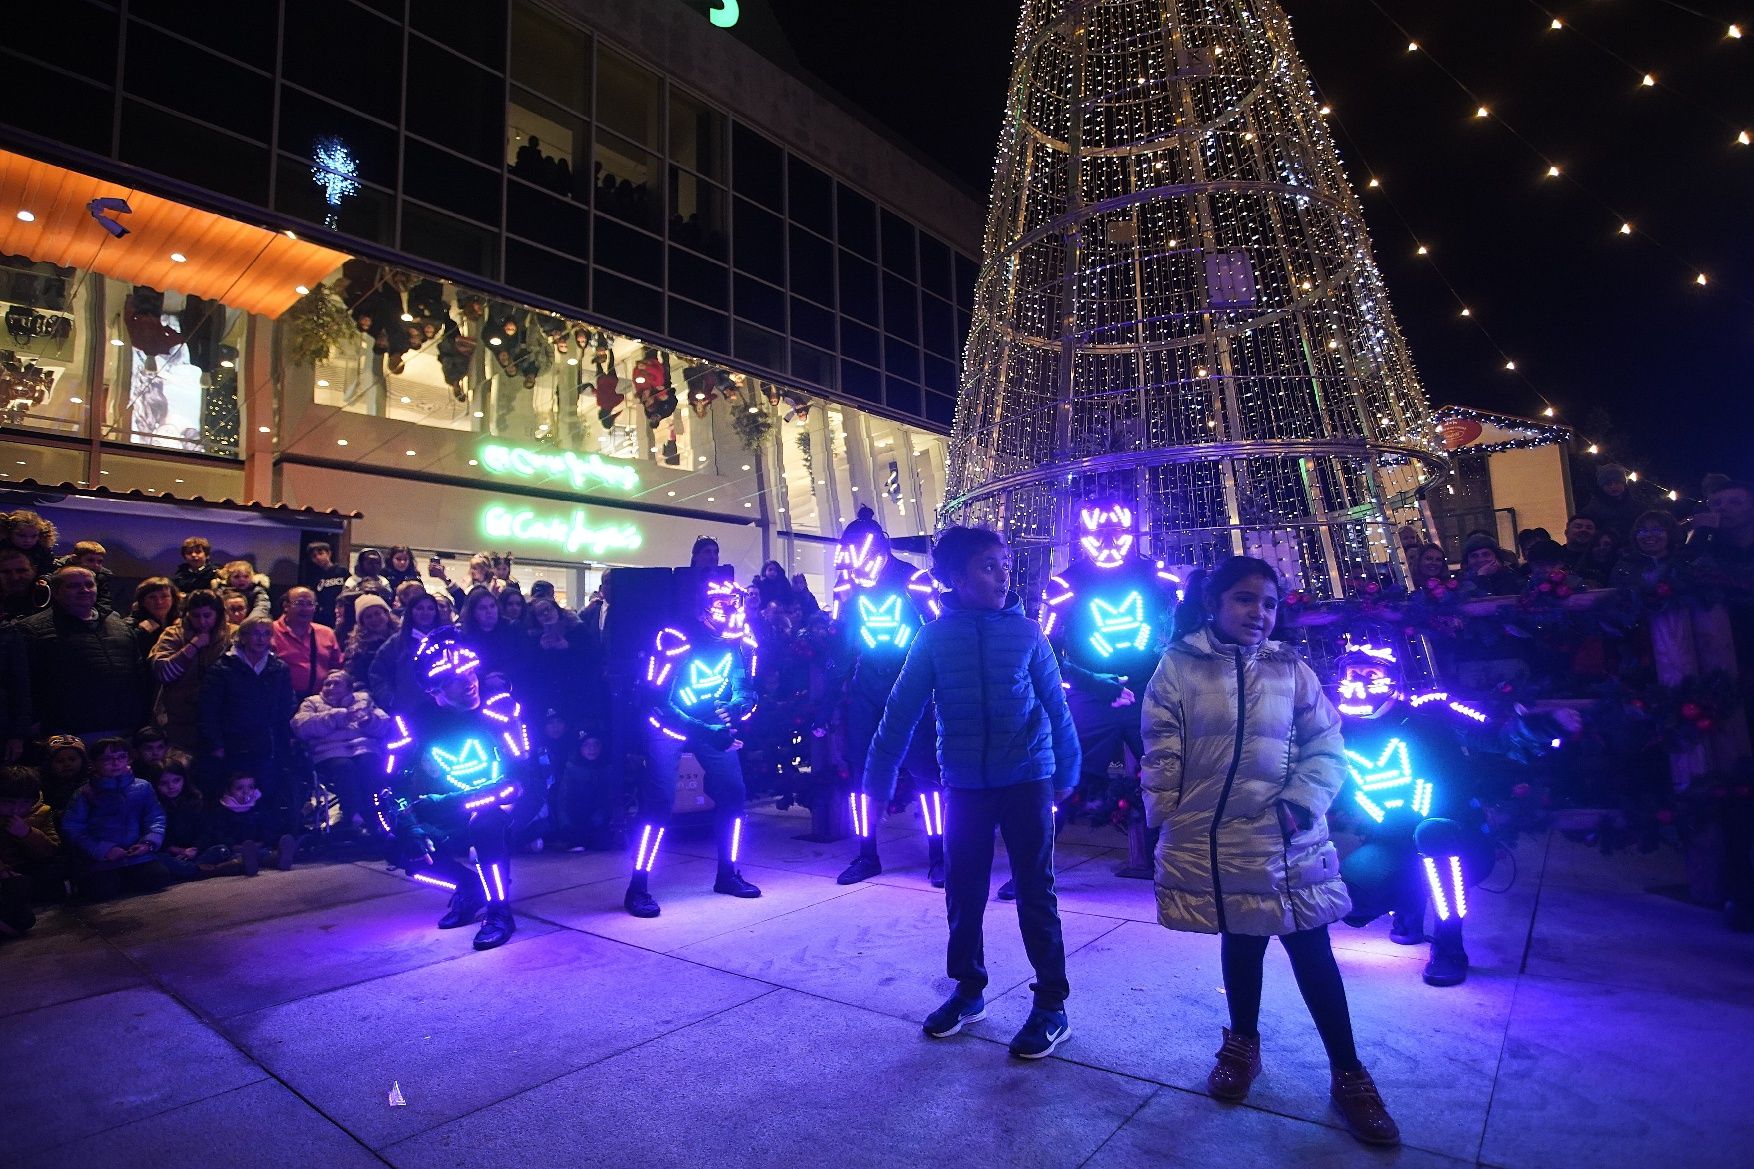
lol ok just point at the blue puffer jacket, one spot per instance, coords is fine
(105, 813)
(1002, 714)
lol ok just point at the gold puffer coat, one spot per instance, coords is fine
(1230, 734)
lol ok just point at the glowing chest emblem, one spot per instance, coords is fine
(1387, 783)
(469, 767)
(1118, 627)
(884, 624)
(705, 682)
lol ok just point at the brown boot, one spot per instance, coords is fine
(1239, 1062)
(1354, 1094)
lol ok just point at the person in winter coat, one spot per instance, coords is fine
(114, 826)
(555, 660)
(195, 572)
(188, 853)
(242, 820)
(83, 673)
(1006, 750)
(180, 660)
(396, 685)
(30, 847)
(1243, 756)
(32, 535)
(156, 603)
(241, 577)
(502, 648)
(344, 734)
(373, 623)
(309, 649)
(246, 704)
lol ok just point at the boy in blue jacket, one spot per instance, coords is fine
(115, 825)
(1007, 749)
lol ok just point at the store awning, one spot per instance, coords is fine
(243, 267)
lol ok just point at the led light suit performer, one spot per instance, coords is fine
(1106, 617)
(880, 603)
(699, 692)
(454, 771)
(1416, 764)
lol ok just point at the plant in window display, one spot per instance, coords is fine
(24, 385)
(315, 326)
(750, 419)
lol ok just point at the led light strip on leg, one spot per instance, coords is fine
(482, 873)
(498, 883)
(861, 814)
(435, 882)
(736, 838)
(1436, 883)
(937, 818)
(1461, 894)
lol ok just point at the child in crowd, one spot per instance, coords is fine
(32, 535)
(195, 572)
(344, 733)
(68, 769)
(241, 821)
(114, 825)
(237, 606)
(323, 576)
(1243, 757)
(150, 747)
(187, 852)
(241, 578)
(583, 799)
(30, 867)
(1007, 748)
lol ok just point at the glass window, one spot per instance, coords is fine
(175, 380)
(545, 145)
(366, 213)
(857, 222)
(309, 125)
(940, 375)
(83, 114)
(858, 288)
(697, 135)
(450, 241)
(861, 382)
(967, 269)
(546, 274)
(697, 213)
(176, 146)
(346, 54)
(761, 347)
(935, 267)
(693, 325)
(762, 303)
(898, 245)
(80, 38)
(940, 411)
(812, 196)
(155, 476)
(757, 166)
(938, 326)
(698, 279)
(901, 359)
(42, 463)
(552, 222)
(859, 342)
(813, 324)
(900, 307)
(812, 365)
(901, 395)
(460, 104)
(241, 32)
(627, 98)
(435, 176)
(159, 68)
(759, 239)
(638, 305)
(45, 354)
(473, 27)
(551, 57)
(628, 183)
(631, 252)
(811, 266)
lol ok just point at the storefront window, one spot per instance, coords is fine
(551, 57)
(697, 136)
(173, 371)
(545, 144)
(627, 99)
(629, 183)
(45, 381)
(167, 477)
(44, 464)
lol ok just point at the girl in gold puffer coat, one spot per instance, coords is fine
(1243, 755)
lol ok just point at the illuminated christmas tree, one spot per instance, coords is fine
(1178, 309)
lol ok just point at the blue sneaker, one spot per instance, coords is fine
(1042, 1032)
(948, 1019)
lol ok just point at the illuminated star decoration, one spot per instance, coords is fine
(1119, 627)
(467, 768)
(881, 624)
(337, 173)
(705, 682)
(1391, 771)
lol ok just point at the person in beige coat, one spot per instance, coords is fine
(1243, 756)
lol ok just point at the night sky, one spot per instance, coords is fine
(1612, 329)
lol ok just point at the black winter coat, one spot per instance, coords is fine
(80, 676)
(247, 714)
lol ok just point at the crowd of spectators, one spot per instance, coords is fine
(210, 725)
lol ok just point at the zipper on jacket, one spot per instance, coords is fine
(1224, 794)
(980, 660)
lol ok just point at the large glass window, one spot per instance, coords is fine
(758, 167)
(697, 213)
(173, 365)
(627, 99)
(551, 57)
(545, 145)
(697, 136)
(45, 357)
(629, 183)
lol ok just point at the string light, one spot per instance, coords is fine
(1648, 81)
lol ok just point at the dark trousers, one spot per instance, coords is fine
(350, 779)
(1103, 729)
(1318, 979)
(102, 884)
(1023, 815)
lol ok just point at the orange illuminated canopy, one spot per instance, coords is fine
(243, 267)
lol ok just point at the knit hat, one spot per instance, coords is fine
(65, 743)
(1610, 473)
(1478, 541)
(369, 601)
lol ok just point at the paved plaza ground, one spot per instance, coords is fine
(262, 1023)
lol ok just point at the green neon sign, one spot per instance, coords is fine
(725, 15)
(568, 532)
(538, 465)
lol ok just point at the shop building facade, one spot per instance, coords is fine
(583, 284)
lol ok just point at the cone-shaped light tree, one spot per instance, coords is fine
(1178, 308)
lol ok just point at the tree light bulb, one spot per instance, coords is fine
(1373, 184)
(1674, 496)
(1632, 476)
(1648, 81)
(1625, 229)
(1557, 24)
(1742, 139)
(1594, 449)
(1700, 279)
(1552, 172)
(1482, 112)
(1423, 250)
(1548, 412)
(1510, 365)
(1412, 46)
(1735, 32)
(1467, 312)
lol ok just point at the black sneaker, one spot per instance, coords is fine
(1042, 1032)
(640, 902)
(1406, 929)
(498, 929)
(1449, 961)
(1008, 891)
(731, 883)
(467, 904)
(863, 868)
(935, 863)
(950, 1018)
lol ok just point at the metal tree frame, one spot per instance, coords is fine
(1178, 307)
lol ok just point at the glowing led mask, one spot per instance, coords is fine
(1119, 627)
(724, 610)
(884, 623)
(706, 681)
(1106, 534)
(440, 658)
(1368, 681)
(861, 562)
(1387, 783)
